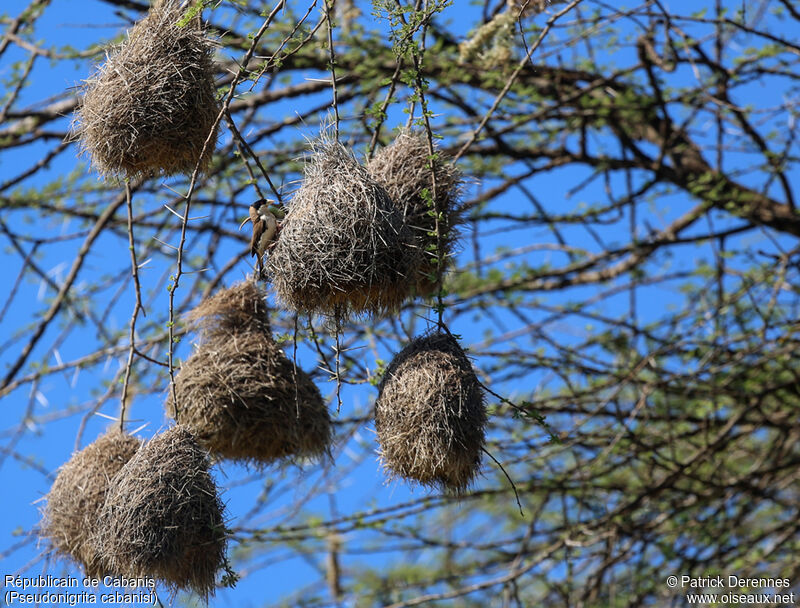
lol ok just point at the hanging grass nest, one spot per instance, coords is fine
(344, 247)
(490, 47)
(527, 8)
(149, 109)
(69, 519)
(163, 518)
(430, 415)
(404, 169)
(239, 393)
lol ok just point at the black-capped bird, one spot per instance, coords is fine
(266, 219)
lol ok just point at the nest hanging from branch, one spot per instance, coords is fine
(239, 393)
(404, 169)
(527, 8)
(430, 415)
(163, 518)
(69, 519)
(491, 46)
(344, 247)
(150, 108)
(237, 309)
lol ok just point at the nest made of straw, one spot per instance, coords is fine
(404, 169)
(69, 519)
(344, 246)
(430, 414)
(529, 7)
(491, 46)
(240, 394)
(150, 108)
(163, 518)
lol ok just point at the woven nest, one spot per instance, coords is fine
(163, 517)
(403, 168)
(240, 394)
(240, 308)
(151, 106)
(529, 7)
(344, 246)
(69, 519)
(430, 415)
(490, 47)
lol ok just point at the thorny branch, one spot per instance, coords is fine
(137, 308)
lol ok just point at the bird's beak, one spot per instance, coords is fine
(244, 222)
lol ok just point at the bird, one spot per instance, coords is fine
(266, 219)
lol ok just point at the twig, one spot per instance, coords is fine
(317, 346)
(384, 106)
(337, 332)
(241, 140)
(294, 368)
(511, 481)
(335, 103)
(96, 408)
(25, 262)
(270, 63)
(137, 308)
(540, 420)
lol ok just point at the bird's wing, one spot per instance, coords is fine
(258, 230)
